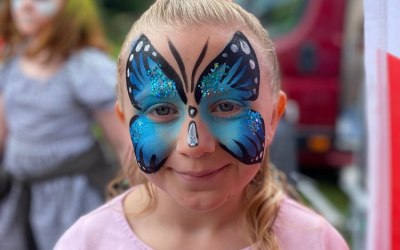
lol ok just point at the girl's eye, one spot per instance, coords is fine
(226, 108)
(163, 112)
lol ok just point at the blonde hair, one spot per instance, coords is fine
(75, 26)
(263, 194)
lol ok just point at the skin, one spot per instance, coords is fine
(30, 20)
(199, 190)
(31, 16)
(223, 93)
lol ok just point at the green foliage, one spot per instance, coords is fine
(131, 6)
(118, 17)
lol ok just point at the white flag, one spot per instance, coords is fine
(382, 65)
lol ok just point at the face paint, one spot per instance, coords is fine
(46, 7)
(192, 111)
(156, 92)
(43, 7)
(16, 4)
(192, 137)
(232, 79)
(229, 81)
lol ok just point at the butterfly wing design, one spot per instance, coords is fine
(234, 74)
(235, 68)
(149, 76)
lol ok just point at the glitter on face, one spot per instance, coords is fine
(254, 121)
(136, 131)
(161, 86)
(43, 8)
(211, 84)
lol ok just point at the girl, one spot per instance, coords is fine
(56, 78)
(199, 90)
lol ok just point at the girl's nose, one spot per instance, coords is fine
(195, 140)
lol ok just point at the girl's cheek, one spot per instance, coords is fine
(243, 137)
(152, 142)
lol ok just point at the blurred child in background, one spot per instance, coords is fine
(56, 80)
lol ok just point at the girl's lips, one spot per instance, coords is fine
(202, 175)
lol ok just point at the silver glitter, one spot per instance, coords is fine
(254, 121)
(136, 131)
(192, 139)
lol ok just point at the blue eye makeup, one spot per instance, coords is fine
(223, 94)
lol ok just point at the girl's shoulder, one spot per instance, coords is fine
(90, 58)
(93, 75)
(100, 229)
(298, 227)
(90, 53)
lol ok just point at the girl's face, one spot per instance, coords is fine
(31, 16)
(201, 112)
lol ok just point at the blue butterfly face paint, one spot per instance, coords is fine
(223, 95)
(156, 92)
(229, 84)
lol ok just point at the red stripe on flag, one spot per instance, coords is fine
(394, 104)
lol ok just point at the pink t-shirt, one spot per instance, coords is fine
(296, 227)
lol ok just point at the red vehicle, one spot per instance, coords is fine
(309, 38)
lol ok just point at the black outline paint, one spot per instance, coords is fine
(181, 65)
(195, 111)
(197, 65)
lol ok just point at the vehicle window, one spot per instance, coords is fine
(278, 16)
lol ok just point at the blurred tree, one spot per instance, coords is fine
(118, 16)
(125, 5)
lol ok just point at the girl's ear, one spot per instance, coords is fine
(118, 111)
(279, 110)
(281, 104)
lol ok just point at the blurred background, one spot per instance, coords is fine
(321, 140)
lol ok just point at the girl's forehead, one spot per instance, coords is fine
(183, 50)
(190, 40)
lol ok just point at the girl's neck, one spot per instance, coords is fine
(172, 213)
(179, 227)
(40, 66)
